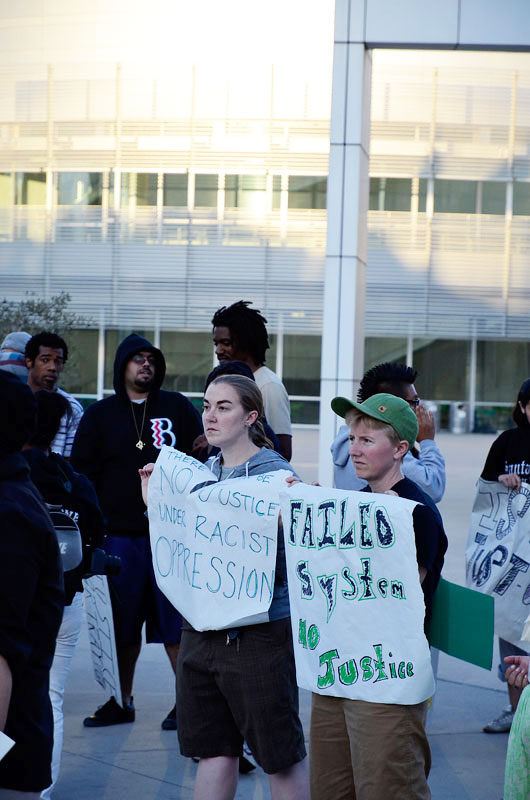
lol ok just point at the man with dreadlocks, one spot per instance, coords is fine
(239, 334)
(426, 467)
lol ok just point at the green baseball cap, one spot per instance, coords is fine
(388, 408)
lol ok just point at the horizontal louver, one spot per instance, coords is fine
(449, 275)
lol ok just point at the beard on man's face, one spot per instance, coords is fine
(144, 383)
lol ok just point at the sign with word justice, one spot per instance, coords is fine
(214, 547)
(498, 554)
(357, 606)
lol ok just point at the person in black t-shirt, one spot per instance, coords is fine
(508, 462)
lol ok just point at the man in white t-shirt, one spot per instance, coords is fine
(240, 334)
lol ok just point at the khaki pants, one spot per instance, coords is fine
(368, 751)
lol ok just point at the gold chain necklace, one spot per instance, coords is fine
(139, 444)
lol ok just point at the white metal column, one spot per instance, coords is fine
(348, 193)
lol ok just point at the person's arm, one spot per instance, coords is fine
(428, 471)
(93, 530)
(510, 480)
(286, 443)
(517, 674)
(22, 548)
(71, 427)
(6, 684)
(431, 542)
(85, 449)
(145, 473)
(426, 424)
(278, 414)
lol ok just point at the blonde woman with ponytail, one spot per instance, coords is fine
(241, 684)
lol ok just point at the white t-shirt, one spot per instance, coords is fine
(275, 401)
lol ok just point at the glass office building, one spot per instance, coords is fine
(169, 169)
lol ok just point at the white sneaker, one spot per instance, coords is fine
(502, 723)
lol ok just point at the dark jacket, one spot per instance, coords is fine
(105, 444)
(71, 499)
(31, 608)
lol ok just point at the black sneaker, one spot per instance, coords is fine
(110, 714)
(170, 722)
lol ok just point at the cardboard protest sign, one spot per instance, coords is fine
(101, 633)
(214, 549)
(498, 554)
(357, 606)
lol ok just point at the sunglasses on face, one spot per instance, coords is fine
(138, 359)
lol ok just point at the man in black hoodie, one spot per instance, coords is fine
(115, 438)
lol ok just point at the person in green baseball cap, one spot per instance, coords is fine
(373, 459)
(382, 430)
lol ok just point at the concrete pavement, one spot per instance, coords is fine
(141, 762)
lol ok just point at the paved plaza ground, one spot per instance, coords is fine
(141, 762)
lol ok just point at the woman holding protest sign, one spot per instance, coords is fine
(508, 462)
(236, 685)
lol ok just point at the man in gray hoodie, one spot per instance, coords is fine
(425, 467)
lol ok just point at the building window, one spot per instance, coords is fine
(422, 194)
(80, 373)
(493, 197)
(206, 191)
(307, 191)
(276, 192)
(521, 198)
(176, 190)
(138, 188)
(390, 194)
(434, 382)
(79, 188)
(189, 359)
(455, 197)
(499, 364)
(245, 191)
(6, 189)
(380, 349)
(301, 364)
(305, 412)
(30, 188)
